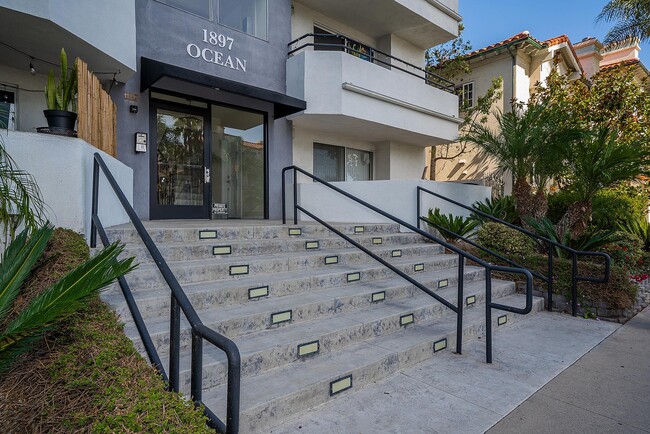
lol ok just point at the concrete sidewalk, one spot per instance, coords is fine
(462, 394)
(607, 390)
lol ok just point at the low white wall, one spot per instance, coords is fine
(63, 169)
(395, 197)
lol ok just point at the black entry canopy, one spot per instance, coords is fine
(153, 70)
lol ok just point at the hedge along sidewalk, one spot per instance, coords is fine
(87, 376)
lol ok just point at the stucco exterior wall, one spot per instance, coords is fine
(30, 97)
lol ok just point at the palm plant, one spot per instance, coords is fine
(502, 208)
(587, 241)
(598, 160)
(21, 202)
(451, 228)
(54, 304)
(639, 228)
(521, 146)
(632, 18)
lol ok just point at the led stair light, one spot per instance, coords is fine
(295, 231)
(378, 296)
(440, 345)
(341, 385)
(353, 277)
(443, 283)
(470, 300)
(329, 260)
(312, 245)
(377, 240)
(281, 317)
(396, 253)
(221, 250)
(502, 320)
(236, 270)
(207, 235)
(308, 349)
(259, 292)
(418, 267)
(359, 229)
(405, 320)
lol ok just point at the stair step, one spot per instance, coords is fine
(224, 249)
(251, 317)
(170, 232)
(274, 348)
(273, 396)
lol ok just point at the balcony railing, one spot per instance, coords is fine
(334, 42)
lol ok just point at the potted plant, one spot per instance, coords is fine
(61, 96)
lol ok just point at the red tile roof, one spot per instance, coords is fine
(523, 36)
(557, 40)
(627, 62)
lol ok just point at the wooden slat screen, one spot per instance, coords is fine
(96, 112)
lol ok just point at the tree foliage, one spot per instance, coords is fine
(631, 18)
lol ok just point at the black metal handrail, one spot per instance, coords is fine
(373, 55)
(462, 256)
(548, 279)
(179, 302)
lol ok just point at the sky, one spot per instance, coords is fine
(490, 21)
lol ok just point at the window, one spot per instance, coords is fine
(248, 16)
(201, 8)
(328, 41)
(466, 95)
(337, 163)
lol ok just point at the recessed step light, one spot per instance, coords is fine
(207, 235)
(405, 320)
(259, 292)
(378, 296)
(443, 283)
(281, 317)
(353, 277)
(502, 320)
(341, 385)
(236, 270)
(312, 245)
(470, 300)
(377, 240)
(359, 229)
(308, 349)
(221, 250)
(396, 253)
(418, 267)
(440, 345)
(295, 231)
(329, 260)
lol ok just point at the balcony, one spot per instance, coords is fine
(94, 30)
(366, 94)
(424, 23)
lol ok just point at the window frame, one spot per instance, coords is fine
(218, 21)
(462, 92)
(345, 162)
(211, 11)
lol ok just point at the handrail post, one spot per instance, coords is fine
(95, 204)
(574, 284)
(284, 198)
(234, 388)
(417, 217)
(488, 315)
(550, 278)
(174, 344)
(459, 304)
(196, 390)
(295, 197)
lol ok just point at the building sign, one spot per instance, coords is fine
(217, 51)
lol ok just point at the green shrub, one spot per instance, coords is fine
(626, 252)
(611, 207)
(507, 241)
(502, 208)
(450, 226)
(640, 229)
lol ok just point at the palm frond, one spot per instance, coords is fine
(63, 298)
(17, 262)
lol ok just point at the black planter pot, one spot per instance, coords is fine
(60, 119)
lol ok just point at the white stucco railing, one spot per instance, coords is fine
(395, 197)
(63, 169)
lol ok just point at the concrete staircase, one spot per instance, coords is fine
(313, 316)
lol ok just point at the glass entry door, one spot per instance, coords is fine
(180, 169)
(238, 157)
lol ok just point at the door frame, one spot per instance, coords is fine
(161, 212)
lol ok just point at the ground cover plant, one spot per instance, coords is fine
(86, 376)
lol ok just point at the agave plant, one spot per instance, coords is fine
(502, 208)
(588, 241)
(61, 95)
(54, 304)
(451, 228)
(639, 228)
